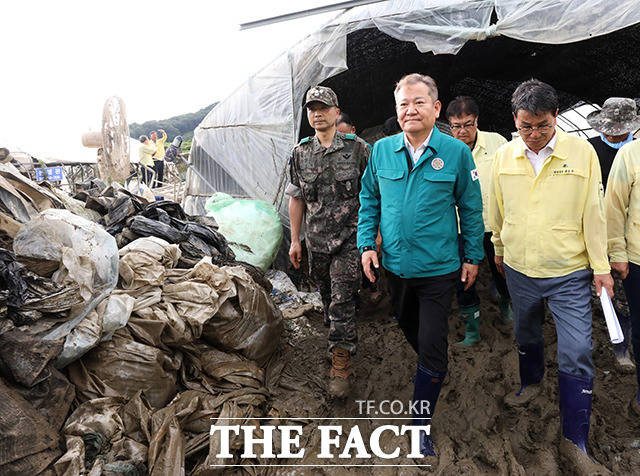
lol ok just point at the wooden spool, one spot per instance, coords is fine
(92, 139)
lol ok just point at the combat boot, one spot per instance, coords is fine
(531, 363)
(340, 373)
(471, 317)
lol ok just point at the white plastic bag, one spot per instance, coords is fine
(87, 255)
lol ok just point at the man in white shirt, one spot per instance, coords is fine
(538, 159)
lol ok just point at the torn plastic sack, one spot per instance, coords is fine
(34, 401)
(252, 228)
(87, 254)
(144, 262)
(122, 367)
(290, 301)
(198, 293)
(28, 443)
(99, 325)
(107, 436)
(250, 324)
(25, 358)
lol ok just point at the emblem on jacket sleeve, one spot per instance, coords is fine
(474, 174)
(437, 163)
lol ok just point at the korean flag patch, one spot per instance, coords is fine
(474, 175)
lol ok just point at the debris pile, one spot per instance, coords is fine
(137, 315)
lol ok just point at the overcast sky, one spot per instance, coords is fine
(61, 60)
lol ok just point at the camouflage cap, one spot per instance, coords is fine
(618, 116)
(321, 94)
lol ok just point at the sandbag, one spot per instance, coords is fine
(52, 397)
(144, 262)
(25, 358)
(252, 228)
(107, 435)
(251, 325)
(198, 293)
(28, 444)
(121, 367)
(110, 315)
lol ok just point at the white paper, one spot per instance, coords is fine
(615, 332)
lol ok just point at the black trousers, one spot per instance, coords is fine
(158, 166)
(422, 306)
(470, 296)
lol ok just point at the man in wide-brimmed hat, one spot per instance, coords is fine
(616, 122)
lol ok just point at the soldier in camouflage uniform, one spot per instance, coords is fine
(325, 172)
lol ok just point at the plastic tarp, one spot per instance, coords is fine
(88, 257)
(243, 144)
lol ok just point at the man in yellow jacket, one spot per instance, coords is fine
(547, 215)
(623, 229)
(158, 156)
(145, 153)
(462, 114)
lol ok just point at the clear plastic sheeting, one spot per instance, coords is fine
(242, 146)
(563, 21)
(87, 254)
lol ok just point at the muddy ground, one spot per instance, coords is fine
(474, 432)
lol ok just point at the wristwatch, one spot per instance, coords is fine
(469, 261)
(368, 248)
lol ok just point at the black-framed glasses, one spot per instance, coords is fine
(466, 125)
(527, 130)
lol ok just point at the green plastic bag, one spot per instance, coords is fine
(252, 228)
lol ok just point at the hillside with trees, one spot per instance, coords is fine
(182, 125)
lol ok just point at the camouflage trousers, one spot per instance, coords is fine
(337, 276)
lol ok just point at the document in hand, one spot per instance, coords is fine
(615, 332)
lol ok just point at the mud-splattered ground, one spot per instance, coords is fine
(474, 432)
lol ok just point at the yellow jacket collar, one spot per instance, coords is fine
(480, 143)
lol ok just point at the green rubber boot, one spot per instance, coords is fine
(471, 317)
(506, 311)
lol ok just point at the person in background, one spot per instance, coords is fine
(462, 114)
(158, 156)
(344, 124)
(391, 126)
(410, 191)
(325, 173)
(546, 212)
(145, 158)
(616, 122)
(622, 201)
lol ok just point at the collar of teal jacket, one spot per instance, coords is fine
(432, 147)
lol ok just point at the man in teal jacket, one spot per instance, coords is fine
(410, 190)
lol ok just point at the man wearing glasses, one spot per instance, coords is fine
(546, 212)
(462, 114)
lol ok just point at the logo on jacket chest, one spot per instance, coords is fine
(437, 163)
